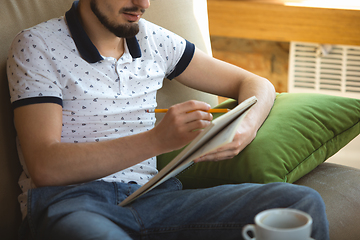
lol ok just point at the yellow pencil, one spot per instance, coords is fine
(214, 110)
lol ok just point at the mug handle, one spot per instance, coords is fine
(246, 229)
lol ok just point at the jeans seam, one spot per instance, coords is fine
(138, 218)
(178, 183)
(29, 215)
(116, 196)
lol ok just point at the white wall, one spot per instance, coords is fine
(349, 155)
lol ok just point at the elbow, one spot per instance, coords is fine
(43, 166)
(41, 175)
(270, 86)
(42, 178)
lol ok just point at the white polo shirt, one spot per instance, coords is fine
(102, 98)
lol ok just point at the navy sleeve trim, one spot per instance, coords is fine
(184, 61)
(35, 100)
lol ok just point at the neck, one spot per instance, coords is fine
(105, 41)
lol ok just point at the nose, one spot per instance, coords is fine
(143, 4)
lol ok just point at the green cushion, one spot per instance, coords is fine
(301, 131)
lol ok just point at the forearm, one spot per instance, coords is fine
(60, 163)
(264, 92)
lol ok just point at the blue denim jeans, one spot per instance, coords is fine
(91, 211)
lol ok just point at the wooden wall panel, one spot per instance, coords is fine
(277, 22)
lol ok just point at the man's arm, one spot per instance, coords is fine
(214, 76)
(52, 162)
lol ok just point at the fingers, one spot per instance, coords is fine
(197, 120)
(190, 116)
(191, 106)
(191, 111)
(227, 152)
(230, 150)
(182, 123)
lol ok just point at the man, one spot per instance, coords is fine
(79, 86)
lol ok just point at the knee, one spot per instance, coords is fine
(85, 225)
(306, 199)
(310, 195)
(299, 195)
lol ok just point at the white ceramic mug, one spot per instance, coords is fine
(280, 224)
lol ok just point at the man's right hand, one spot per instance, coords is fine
(181, 124)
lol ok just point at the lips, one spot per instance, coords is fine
(132, 17)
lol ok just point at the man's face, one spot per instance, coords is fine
(120, 17)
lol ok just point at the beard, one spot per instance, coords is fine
(125, 30)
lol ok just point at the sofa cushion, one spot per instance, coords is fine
(301, 131)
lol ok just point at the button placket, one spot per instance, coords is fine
(122, 76)
(122, 71)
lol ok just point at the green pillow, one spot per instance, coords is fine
(301, 131)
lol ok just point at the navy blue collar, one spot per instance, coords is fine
(86, 48)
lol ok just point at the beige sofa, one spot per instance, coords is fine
(339, 185)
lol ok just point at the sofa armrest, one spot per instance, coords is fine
(339, 186)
